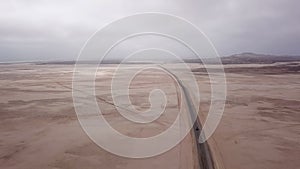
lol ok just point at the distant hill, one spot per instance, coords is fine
(246, 58)
(243, 58)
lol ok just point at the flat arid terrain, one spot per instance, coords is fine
(260, 127)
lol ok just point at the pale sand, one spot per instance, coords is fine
(39, 129)
(260, 127)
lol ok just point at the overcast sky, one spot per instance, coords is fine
(57, 29)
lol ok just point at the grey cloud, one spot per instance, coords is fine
(45, 30)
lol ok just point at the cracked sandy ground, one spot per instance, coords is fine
(39, 129)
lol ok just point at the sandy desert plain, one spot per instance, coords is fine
(260, 128)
